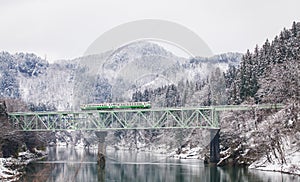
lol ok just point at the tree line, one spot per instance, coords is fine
(268, 74)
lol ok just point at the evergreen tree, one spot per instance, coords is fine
(266, 74)
(230, 75)
(9, 87)
(137, 96)
(217, 87)
(294, 29)
(146, 96)
(172, 96)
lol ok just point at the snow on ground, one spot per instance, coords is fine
(7, 174)
(288, 164)
(10, 168)
(291, 166)
(285, 156)
(187, 153)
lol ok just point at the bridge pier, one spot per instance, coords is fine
(3, 108)
(214, 149)
(101, 148)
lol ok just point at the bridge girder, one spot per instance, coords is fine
(162, 118)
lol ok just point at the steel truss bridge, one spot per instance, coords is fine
(155, 118)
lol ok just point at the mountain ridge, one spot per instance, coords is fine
(55, 84)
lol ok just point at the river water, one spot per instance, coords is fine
(71, 164)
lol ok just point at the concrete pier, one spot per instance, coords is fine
(214, 157)
(3, 109)
(101, 148)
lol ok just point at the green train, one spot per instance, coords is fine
(108, 106)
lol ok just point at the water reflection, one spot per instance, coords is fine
(130, 166)
(69, 164)
(64, 164)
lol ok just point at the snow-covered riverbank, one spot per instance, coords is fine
(290, 165)
(11, 169)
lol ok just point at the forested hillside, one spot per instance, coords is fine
(269, 74)
(267, 139)
(28, 65)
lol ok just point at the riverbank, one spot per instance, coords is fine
(290, 165)
(262, 140)
(12, 169)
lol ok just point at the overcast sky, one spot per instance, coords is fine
(63, 29)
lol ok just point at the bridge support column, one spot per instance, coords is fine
(101, 148)
(214, 157)
(3, 109)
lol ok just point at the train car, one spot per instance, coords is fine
(108, 106)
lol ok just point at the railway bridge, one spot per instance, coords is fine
(138, 119)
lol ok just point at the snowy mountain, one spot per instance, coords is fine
(142, 65)
(114, 75)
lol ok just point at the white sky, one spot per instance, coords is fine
(63, 29)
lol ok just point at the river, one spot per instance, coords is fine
(71, 164)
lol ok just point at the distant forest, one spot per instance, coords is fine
(269, 74)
